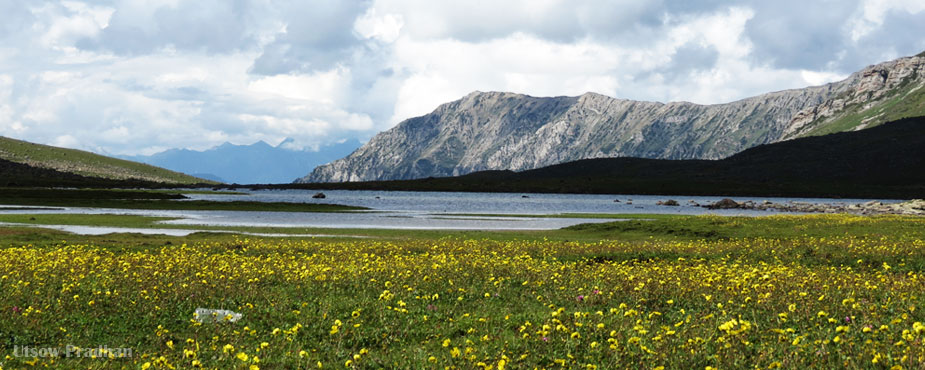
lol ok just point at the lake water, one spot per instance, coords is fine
(435, 210)
(509, 203)
(103, 230)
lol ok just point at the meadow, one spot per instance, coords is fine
(699, 292)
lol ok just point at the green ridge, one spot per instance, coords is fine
(907, 101)
(87, 164)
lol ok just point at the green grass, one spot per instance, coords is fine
(134, 221)
(563, 215)
(908, 101)
(635, 227)
(710, 227)
(820, 291)
(639, 229)
(88, 164)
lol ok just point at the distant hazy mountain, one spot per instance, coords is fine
(258, 163)
(506, 131)
(26, 164)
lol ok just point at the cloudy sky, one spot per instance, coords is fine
(140, 76)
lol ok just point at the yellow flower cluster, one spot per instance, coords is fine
(478, 303)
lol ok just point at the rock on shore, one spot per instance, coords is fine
(911, 207)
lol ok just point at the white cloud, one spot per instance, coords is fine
(72, 21)
(129, 76)
(723, 30)
(443, 70)
(327, 87)
(814, 78)
(386, 27)
(874, 12)
(6, 87)
(6, 111)
(131, 105)
(66, 141)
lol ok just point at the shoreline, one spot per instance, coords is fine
(915, 207)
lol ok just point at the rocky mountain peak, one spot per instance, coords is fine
(509, 131)
(864, 89)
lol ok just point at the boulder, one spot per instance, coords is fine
(725, 203)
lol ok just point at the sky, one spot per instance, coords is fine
(141, 76)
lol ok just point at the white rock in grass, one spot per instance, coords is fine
(209, 315)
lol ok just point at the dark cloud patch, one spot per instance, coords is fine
(372, 85)
(282, 58)
(700, 6)
(212, 26)
(628, 25)
(483, 23)
(687, 59)
(900, 35)
(799, 34)
(567, 22)
(691, 57)
(14, 16)
(637, 23)
(319, 35)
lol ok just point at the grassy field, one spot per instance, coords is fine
(821, 291)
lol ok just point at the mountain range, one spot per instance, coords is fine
(886, 161)
(507, 131)
(498, 132)
(258, 163)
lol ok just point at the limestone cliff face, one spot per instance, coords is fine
(876, 94)
(506, 131)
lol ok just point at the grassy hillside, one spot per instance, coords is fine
(76, 162)
(907, 101)
(887, 161)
